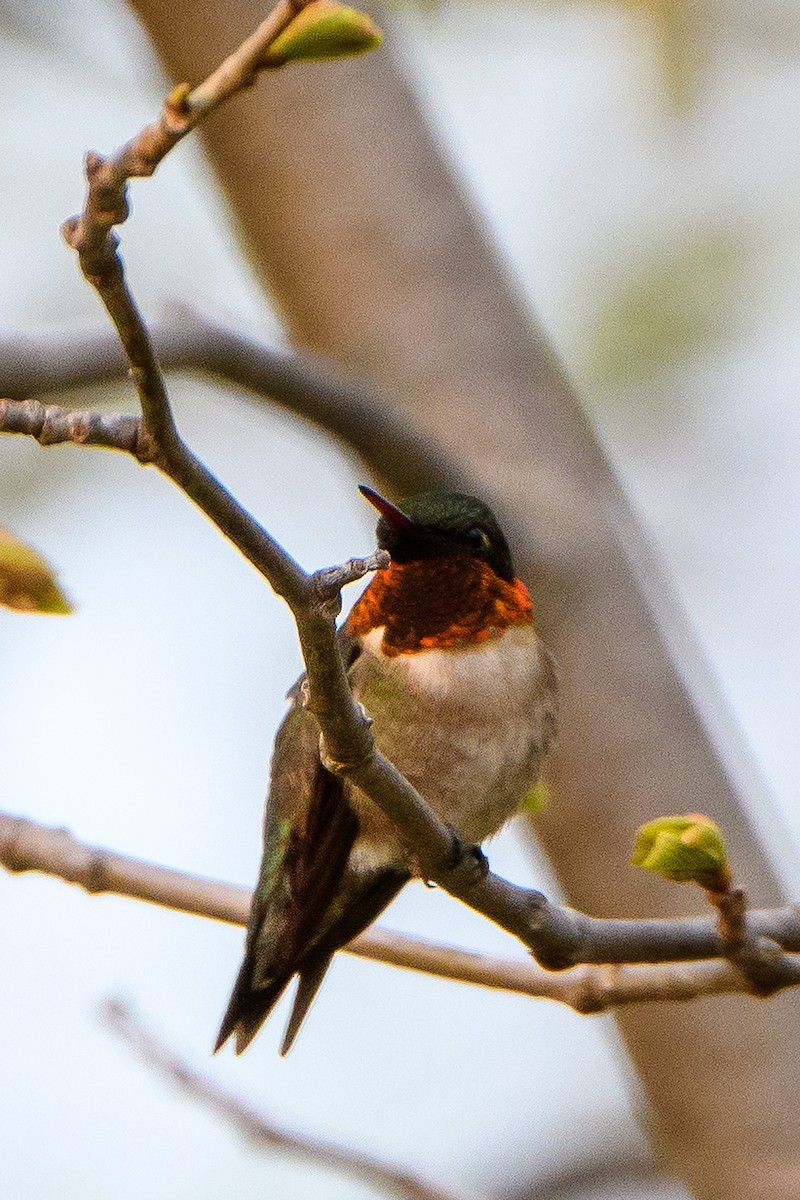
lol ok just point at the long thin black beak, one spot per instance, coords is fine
(393, 516)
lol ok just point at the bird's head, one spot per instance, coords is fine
(441, 525)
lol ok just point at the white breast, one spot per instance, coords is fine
(468, 727)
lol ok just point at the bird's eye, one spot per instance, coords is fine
(478, 538)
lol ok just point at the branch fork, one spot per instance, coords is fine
(557, 936)
(761, 960)
(328, 582)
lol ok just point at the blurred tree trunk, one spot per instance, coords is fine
(351, 213)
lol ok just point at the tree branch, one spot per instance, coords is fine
(349, 747)
(759, 959)
(557, 936)
(52, 425)
(590, 988)
(308, 385)
(91, 232)
(259, 1130)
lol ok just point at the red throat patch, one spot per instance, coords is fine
(439, 603)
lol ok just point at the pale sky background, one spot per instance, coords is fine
(144, 722)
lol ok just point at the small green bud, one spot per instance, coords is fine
(537, 799)
(686, 849)
(176, 100)
(27, 582)
(323, 29)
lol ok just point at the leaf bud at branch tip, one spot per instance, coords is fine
(323, 29)
(94, 162)
(176, 117)
(27, 582)
(684, 849)
(176, 101)
(68, 231)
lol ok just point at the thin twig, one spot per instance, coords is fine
(53, 425)
(763, 965)
(349, 746)
(306, 384)
(28, 846)
(91, 233)
(261, 1131)
(329, 581)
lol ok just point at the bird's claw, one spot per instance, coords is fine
(469, 857)
(476, 862)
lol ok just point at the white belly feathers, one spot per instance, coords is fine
(467, 726)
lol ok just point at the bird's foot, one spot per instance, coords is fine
(469, 858)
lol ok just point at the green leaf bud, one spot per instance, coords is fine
(537, 799)
(321, 30)
(684, 849)
(27, 582)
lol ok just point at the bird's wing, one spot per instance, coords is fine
(304, 907)
(309, 830)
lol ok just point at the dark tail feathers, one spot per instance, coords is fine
(249, 1007)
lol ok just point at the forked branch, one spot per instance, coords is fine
(633, 951)
(558, 937)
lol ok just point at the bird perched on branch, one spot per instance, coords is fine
(442, 653)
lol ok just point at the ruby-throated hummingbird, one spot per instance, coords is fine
(442, 653)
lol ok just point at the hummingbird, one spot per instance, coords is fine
(442, 653)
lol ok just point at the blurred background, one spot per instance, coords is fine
(637, 165)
